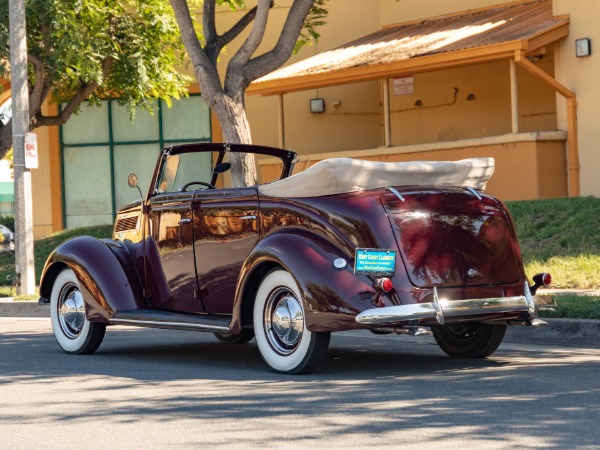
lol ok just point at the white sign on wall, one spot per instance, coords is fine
(31, 151)
(404, 86)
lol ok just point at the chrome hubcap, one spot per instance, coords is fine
(71, 311)
(283, 321)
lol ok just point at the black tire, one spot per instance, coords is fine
(469, 340)
(73, 331)
(245, 336)
(284, 342)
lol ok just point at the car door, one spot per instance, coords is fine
(171, 220)
(225, 231)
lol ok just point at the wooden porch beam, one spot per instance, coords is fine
(573, 165)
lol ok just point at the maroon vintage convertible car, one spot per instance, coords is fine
(347, 244)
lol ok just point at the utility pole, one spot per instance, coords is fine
(20, 126)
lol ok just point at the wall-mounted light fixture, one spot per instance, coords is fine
(583, 47)
(418, 103)
(317, 105)
(471, 97)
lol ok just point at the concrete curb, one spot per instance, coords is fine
(567, 332)
(11, 308)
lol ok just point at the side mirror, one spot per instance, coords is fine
(132, 180)
(222, 167)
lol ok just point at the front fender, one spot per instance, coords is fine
(106, 275)
(332, 297)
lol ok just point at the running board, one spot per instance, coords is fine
(155, 318)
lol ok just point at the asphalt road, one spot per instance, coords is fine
(165, 389)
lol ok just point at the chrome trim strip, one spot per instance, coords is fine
(392, 314)
(155, 323)
(249, 217)
(439, 312)
(452, 308)
(529, 299)
(396, 193)
(474, 192)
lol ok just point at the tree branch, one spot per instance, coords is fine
(84, 91)
(206, 73)
(242, 56)
(5, 138)
(214, 46)
(235, 82)
(208, 22)
(268, 62)
(36, 95)
(240, 25)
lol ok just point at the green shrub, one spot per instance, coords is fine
(8, 220)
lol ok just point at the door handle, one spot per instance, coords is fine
(248, 217)
(185, 221)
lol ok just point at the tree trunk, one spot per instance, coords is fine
(236, 130)
(5, 139)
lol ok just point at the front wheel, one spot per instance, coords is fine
(73, 331)
(285, 343)
(469, 340)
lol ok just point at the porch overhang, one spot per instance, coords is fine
(462, 39)
(512, 32)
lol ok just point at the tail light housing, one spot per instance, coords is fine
(539, 280)
(543, 279)
(383, 285)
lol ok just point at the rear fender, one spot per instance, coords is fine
(331, 296)
(107, 277)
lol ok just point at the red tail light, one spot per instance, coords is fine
(383, 285)
(542, 279)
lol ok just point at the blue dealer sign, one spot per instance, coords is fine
(373, 261)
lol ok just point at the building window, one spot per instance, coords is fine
(100, 147)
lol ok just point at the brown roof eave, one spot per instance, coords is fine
(420, 64)
(428, 63)
(548, 36)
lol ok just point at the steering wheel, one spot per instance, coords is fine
(208, 185)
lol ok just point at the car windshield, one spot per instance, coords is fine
(180, 168)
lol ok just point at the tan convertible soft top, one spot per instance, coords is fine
(339, 175)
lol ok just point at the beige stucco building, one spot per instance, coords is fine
(398, 80)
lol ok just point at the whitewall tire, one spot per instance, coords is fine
(285, 343)
(73, 331)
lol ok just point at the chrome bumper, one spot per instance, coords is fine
(441, 309)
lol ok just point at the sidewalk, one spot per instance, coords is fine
(562, 332)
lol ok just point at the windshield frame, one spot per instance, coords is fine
(287, 157)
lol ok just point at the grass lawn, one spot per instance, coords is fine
(575, 307)
(562, 237)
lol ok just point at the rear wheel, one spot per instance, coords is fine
(285, 343)
(73, 331)
(469, 340)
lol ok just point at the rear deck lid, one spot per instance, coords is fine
(452, 238)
